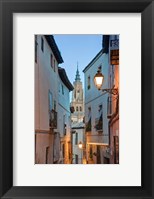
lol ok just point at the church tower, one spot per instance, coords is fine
(77, 99)
(77, 123)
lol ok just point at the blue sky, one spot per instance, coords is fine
(77, 48)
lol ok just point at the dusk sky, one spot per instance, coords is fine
(77, 48)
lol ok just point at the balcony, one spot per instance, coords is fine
(88, 126)
(99, 123)
(98, 139)
(53, 119)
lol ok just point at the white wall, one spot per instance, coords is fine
(63, 109)
(76, 149)
(46, 79)
(94, 98)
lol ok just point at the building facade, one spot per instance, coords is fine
(64, 120)
(111, 49)
(77, 121)
(47, 104)
(96, 130)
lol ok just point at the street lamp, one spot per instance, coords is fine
(98, 81)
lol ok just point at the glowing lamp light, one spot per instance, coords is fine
(98, 80)
(80, 145)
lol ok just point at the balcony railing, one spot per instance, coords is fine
(88, 125)
(53, 119)
(99, 123)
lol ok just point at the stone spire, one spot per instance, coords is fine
(77, 78)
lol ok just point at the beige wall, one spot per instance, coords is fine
(44, 150)
(45, 80)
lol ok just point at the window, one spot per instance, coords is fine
(62, 87)
(36, 48)
(116, 150)
(50, 101)
(42, 44)
(51, 60)
(59, 88)
(76, 159)
(109, 106)
(77, 108)
(64, 125)
(99, 120)
(55, 105)
(88, 124)
(100, 108)
(69, 149)
(54, 65)
(47, 155)
(65, 129)
(80, 108)
(114, 57)
(91, 153)
(63, 148)
(88, 83)
(76, 138)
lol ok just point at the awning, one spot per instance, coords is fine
(97, 143)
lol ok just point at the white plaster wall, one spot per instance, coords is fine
(76, 149)
(64, 118)
(45, 80)
(94, 98)
(63, 109)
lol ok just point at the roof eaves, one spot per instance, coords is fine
(92, 61)
(51, 41)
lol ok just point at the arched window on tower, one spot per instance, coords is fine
(80, 108)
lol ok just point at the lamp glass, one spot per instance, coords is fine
(80, 145)
(98, 80)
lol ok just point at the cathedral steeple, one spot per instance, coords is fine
(77, 78)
